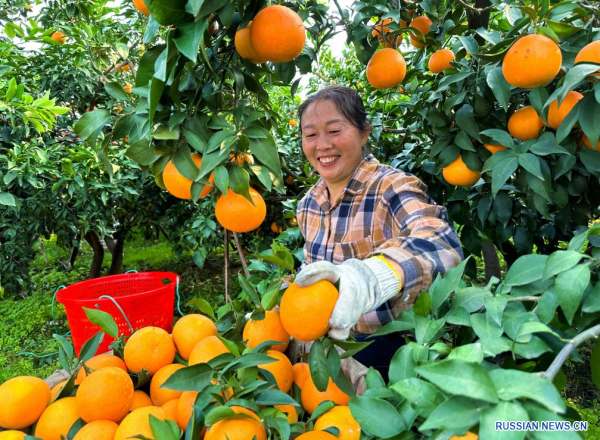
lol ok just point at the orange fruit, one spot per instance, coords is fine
(525, 124)
(137, 422)
(207, 349)
(468, 436)
(290, 411)
(494, 148)
(457, 173)
(179, 185)
(591, 53)
(316, 435)
(305, 311)
(277, 34)
(301, 372)
(106, 394)
(289, 180)
(57, 389)
(244, 48)
(293, 123)
(237, 429)
(184, 408)
(127, 88)
(276, 229)
(557, 113)
(341, 418)
(159, 395)
(421, 23)
(240, 158)
(140, 5)
(149, 348)
(280, 369)
(441, 60)
(269, 328)
(587, 144)
(386, 69)
(380, 31)
(97, 430)
(125, 68)
(190, 330)
(57, 419)
(311, 397)
(140, 399)
(532, 61)
(59, 37)
(12, 434)
(22, 400)
(235, 213)
(293, 222)
(411, 13)
(170, 408)
(100, 361)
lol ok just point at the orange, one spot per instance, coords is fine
(190, 330)
(525, 124)
(421, 23)
(206, 350)
(138, 423)
(106, 394)
(311, 397)
(532, 61)
(159, 395)
(100, 361)
(557, 113)
(411, 13)
(441, 60)
(276, 229)
(457, 173)
(341, 418)
(244, 48)
(316, 435)
(290, 412)
(277, 34)
(140, 5)
(280, 369)
(12, 435)
(57, 389)
(269, 328)
(240, 158)
(586, 142)
(293, 123)
(380, 31)
(237, 429)
(97, 430)
(468, 436)
(301, 372)
(305, 311)
(149, 348)
(591, 53)
(22, 400)
(57, 419)
(184, 408)
(179, 185)
(386, 69)
(170, 408)
(293, 222)
(235, 213)
(494, 148)
(59, 37)
(140, 399)
(127, 88)
(125, 68)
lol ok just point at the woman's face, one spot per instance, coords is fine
(332, 145)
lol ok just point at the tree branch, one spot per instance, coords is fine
(524, 299)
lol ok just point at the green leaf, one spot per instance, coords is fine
(377, 416)
(163, 430)
(91, 123)
(402, 365)
(7, 199)
(562, 29)
(574, 76)
(317, 362)
(469, 352)
(441, 288)
(203, 306)
(465, 119)
(532, 164)
(189, 36)
(427, 330)
(104, 320)
(570, 286)
(560, 261)
(500, 88)
(485, 327)
(423, 396)
(248, 289)
(115, 90)
(502, 412)
(455, 413)
(11, 91)
(265, 151)
(90, 347)
(460, 378)
(588, 121)
(270, 299)
(274, 397)
(169, 12)
(142, 152)
(500, 137)
(501, 173)
(194, 378)
(495, 307)
(540, 414)
(527, 269)
(422, 305)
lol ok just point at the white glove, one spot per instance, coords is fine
(364, 286)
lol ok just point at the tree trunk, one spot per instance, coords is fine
(509, 252)
(110, 244)
(117, 252)
(479, 19)
(490, 258)
(92, 238)
(74, 253)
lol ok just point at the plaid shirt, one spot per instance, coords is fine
(381, 211)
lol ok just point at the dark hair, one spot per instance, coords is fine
(345, 99)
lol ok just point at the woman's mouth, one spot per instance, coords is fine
(328, 160)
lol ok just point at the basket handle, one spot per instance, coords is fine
(178, 297)
(118, 307)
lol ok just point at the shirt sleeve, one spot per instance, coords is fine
(424, 243)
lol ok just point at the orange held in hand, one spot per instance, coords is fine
(235, 213)
(532, 61)
(277, 34)
(457, 173)
(386, 69)
(179, 185)
(305, 311)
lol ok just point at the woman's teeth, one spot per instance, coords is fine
(326, 160)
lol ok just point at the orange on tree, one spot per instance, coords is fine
(59, 37)
(22, 400)
(190, 330)
(125, 67)
(240, 158)
(590, 53)
(269, 328)
(316, 435)
(440, 60)
(149, 348)
(235, 213)
(588, 144)
(290, 411)
(281, 370)
(289, 180)
(206, 350)
(97, 430)
(525, 124)
(138, 423)
(421, 23)
(97, 362)
(301, 371)
(293, 123)
(140, 399)
(276, 229)
(305, 311)
(380, 31)
(106, 394)
(494, 148)
(170, 408)
(532, 61)
(244, 48)
(411, 13)
(140, 5)
(277, 34)
(311, 397)
(341, 418)
(159, 395)
(56, 389)
(386, 69)
(57, 419)
(179, 185)
(12, 434)
(557, 113)
(237, 429)
(128, 88)
(457, 173)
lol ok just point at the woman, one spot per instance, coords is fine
(368, 226)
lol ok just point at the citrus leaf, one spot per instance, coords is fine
(104, 320)
(377, 416)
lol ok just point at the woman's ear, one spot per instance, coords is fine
(365, 134)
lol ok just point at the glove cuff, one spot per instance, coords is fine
(389, 284)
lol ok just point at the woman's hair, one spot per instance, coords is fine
(346, 100)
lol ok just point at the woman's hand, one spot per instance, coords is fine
(364, 286)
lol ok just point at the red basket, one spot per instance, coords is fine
(147, 299)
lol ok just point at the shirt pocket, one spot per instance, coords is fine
(356, 249)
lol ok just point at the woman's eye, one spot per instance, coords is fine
(334, 131)
(309, 135)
